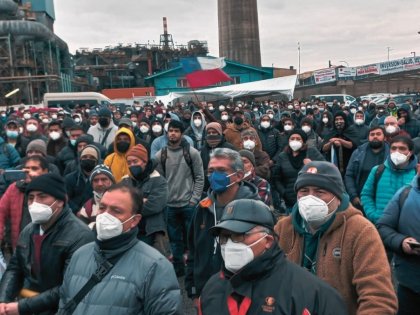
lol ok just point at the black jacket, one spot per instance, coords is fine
(62, 239)
(204, 257)
(285, 174)
(270, 284)
(270, 140)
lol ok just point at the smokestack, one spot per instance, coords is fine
(239, 38)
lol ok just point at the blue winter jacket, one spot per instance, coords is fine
(388, 184)
(9, 157)
(354, 169)
(395, 225)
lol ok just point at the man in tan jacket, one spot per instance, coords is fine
(330, 238)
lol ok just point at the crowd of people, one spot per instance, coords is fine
(259, 207)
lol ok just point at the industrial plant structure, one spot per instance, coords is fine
(239, 37)
(32, 57)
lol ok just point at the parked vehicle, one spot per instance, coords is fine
(70, 100)
(329, 98)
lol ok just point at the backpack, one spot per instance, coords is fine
(186, 153)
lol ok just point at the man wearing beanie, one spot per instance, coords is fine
(78, 186)
(100, 179)
(144, 176)
(330, 238)
(105, 130)
(262, 159)
(44, 250)
(263, 186)
(214, 139)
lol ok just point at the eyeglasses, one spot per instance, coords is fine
(236, 238)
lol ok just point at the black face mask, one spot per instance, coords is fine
(87, 165)
(136, 171)
(375, 144)
(103, 122)
(123, 146)
(238, 121)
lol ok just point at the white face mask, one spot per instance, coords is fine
(306, 129)
(54, 116)
(288, 127)
(237, 255)
(77, 120)
(353, 110)
(314, 210)
(247, 174)
(26, 116)
(145, 129)
(159, 116)
(55, 135)
(398, 158)
(157, 128)
(290, 107)
(197, 122)
(108, 226)
(265, 124)
(166, 126)
(325, 120)
(390, 129)
(45, 120)
(271, 116)
(211, 108)
(255, 109)
(295, 145)
(40, 213)
(359, 122)
(249, 144)
(31, 128)
(221, 108)
(225, 117)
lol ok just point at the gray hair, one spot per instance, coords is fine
(233, 156)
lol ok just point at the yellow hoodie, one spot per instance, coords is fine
(117, 161)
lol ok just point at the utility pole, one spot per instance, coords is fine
(389, 49)
(413, 53)
(299, 60)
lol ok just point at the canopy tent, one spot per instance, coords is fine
(277, 86)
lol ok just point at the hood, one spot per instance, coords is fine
(173, 116)
(415, 182)
(129, 133)
(405, 107)
(199, 130)
(412, 165)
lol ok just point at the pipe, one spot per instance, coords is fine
(8, 6)
(33, 29)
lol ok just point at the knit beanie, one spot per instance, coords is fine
(102, 169)
(104, 112)
(139, 151)
(249, 155)
(216, 126)
(299, 132)
(37, 145)
(321, 174)
(90, 150)
(51, 184)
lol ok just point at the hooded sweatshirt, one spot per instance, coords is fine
(197, 133)
(117, 161)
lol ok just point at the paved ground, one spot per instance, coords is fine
(187, 303)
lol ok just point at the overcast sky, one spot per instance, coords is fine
(357, 31)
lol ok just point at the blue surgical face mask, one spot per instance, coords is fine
(219, 181)
(73, 142)
(12, 134)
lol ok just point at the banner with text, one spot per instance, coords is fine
(346, 72)
(399, 65)
(369, 69)
(324, 75)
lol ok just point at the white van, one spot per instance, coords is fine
(329, 98)
(71, 99)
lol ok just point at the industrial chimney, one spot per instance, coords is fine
(239, 38)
